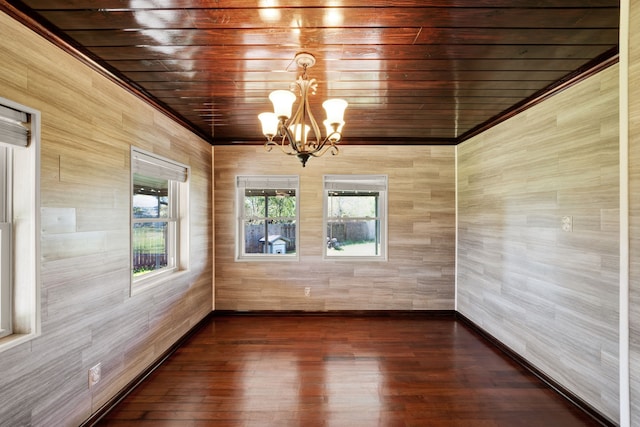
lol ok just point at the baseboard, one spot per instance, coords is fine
(554, 385)
(342, 313)
(104, 410)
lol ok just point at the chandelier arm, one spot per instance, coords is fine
(302, 114)
(315, 143)
(319, 146)
(297, 119)
(323, 150)
(270, 144)
(332, 144)
(285, 134)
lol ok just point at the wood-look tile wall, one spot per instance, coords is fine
(88, 126)
(419, 273)
(548, 294)
(634, 209)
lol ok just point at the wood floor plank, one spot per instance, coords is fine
(341, 371)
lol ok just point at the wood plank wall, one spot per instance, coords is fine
(419, 274)
(548, 294)
(88, 126)
(634, 207)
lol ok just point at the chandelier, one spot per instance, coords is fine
(299, 135)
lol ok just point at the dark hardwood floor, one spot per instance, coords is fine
(341, 371)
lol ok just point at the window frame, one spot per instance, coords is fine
(6, 246)
(266, 182)
(354, 183)
(6, 280)
(177, 219)
(20, 317)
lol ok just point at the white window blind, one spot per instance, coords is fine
(156, 167)
(355, 183)
(275, 182)
(14, 127)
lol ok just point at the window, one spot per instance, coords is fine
(267, 210)
(159, 217)
(355, 216)
(19, 223)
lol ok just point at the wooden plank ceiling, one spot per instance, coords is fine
(413, 71)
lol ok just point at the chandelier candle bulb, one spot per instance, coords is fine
(282, 102)
(269, 124)
(333, 132)
(335, 109)
(297, 133)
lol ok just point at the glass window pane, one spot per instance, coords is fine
(150, 248)
(282, 206)
(281, 237)
(278, 204)
(254, 206)
(344, 205)
(353, 237)
(150, 197)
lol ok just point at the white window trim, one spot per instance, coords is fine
(359, 181)
(264, 181)
(179, 196)
(25, 304)
(6, 285)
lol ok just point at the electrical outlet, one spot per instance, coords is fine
(567, 223)
(94, 374)
(307, 291)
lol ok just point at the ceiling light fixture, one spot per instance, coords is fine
(285, 131)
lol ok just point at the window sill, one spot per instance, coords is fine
(356, 258)
(14, 340)
(268, 258)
